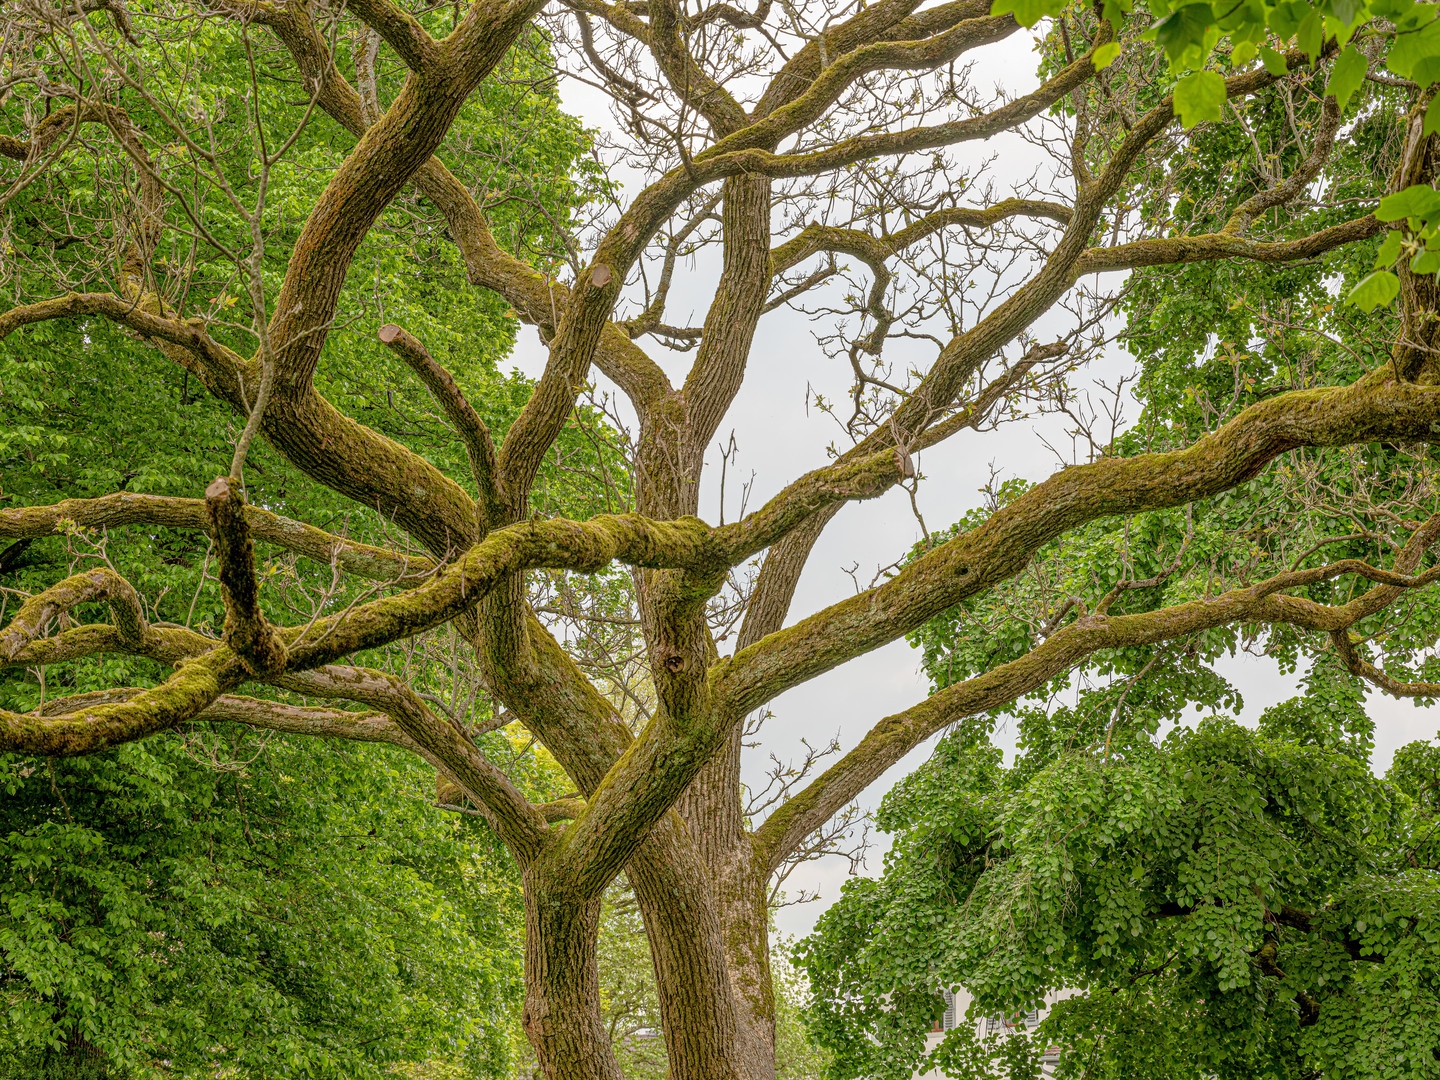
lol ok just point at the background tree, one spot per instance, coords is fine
(1265, 907)
(1229, 902)
(876, 121)
(255, 907)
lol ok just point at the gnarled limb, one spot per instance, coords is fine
(518, 822)
(166, 644)
(1361, 668)
(401, 31)
(472, 430)
(247, 631)
(98, 584)
(687, 78)
(1208, 247)
(896, 735)
(193, 686)
(963, 355)
(876, 249)
(382, 163)
(1376, 407)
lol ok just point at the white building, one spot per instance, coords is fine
(958, 1003)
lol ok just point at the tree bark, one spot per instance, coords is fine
(562, 983)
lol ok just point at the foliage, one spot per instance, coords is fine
(1403, 34)
(1230, 902)
(226, 904)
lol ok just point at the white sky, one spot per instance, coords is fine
(778, 441)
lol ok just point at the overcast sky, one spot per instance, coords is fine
(778, 442)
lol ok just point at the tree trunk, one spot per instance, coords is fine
(562, 985)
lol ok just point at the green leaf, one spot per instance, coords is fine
(1389, 250)
(1105, 55)
(1417, 200)
(1243, 53)
(1027, 12)
(1416, 54)
(1285, 18)
(1183, 29)
(1345, 10)
(1310, 35)
(1346, 75)
(1114, 11)
(1379, 288)
(1199, 97)
(1274, 62)
(1432, 118)
(1426, 262)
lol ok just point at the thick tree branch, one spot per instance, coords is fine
(194, 685)
(964, 354)
(100, 584)
(519, 823)
(247, 631)
(897, 735)
(691, 82)
(472, 430)
(386, 158)
(846, 69)
(401, 31)
(1207, 247)
(863, 245)
(1377, 407)
(1363, 669)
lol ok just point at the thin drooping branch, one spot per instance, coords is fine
(1361, 668)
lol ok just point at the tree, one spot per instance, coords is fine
(1228, 902)
(869, 173)
(260, 908)
(316, 913)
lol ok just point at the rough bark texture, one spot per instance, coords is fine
(665, 806)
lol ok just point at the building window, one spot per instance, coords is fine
(1018, 1021)
(948, 1020)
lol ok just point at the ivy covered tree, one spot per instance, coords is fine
(252, 189)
